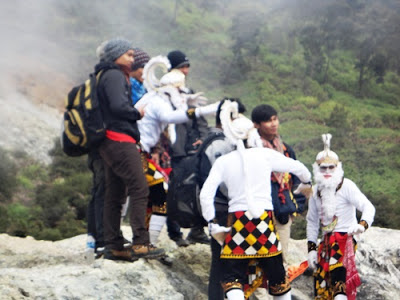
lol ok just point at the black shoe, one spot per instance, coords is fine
(198, 236)
(181, 242)
(166, 260)
(99, 252)
(124, 254)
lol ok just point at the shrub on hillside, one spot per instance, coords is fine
(8, 172)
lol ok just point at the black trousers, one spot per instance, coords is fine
(96, 203)
(124, 176)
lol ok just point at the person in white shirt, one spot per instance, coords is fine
(163, 105)
(332, 209)
(250, 232)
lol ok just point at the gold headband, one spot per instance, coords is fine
(327, 160)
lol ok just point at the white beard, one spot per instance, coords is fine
(327, 188)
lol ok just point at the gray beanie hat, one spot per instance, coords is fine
(110, 50)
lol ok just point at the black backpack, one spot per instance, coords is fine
(82, 127)
(185, 182)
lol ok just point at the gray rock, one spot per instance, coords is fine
(32, 269)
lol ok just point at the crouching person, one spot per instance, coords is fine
(250, 232)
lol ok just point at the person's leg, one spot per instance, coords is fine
(215, 290)
(99, 184)
(234, 276)
(284, 237)
(129, 167)
(278, 284)
(197, 235)
(114, 197)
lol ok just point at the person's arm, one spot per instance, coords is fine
(295, 182)
(209, 190)
(114, 87)
(281, 163)
(362, 204)
(312, 221)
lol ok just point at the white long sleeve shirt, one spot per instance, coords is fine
(260, 162)
(158, 113)
(349, 199)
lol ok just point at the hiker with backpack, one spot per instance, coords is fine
(249, 232)
(120, 154)
(162, 106)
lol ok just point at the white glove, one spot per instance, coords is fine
(196, 100)
(305, 189)
(312, 259)
(206, 110)
(218, 232)
(356, 229)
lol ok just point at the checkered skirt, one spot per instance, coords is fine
(251, 238)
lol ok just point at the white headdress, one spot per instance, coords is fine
(236, 126)
(327, 156)
(165, 83)
(150, 79)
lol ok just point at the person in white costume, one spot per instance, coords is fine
(332, 209)
(164, 105)
(250, 232)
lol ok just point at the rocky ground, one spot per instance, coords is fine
(31, 269)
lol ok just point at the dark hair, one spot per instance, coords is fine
(241, 106)
(263, 113)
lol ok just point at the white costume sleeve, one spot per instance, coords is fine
(361, 202)
(168, 115)
(281, 163)
(312, 220)
(209, 189)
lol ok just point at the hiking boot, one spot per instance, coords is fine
(124, 254)
(198, 236)
(181, 242)
(146, 251)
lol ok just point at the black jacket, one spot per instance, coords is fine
(113, 89)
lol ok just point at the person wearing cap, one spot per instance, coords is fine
(332, 210)
(189, 136)
(120, 154)
(249, 232)
(141, 58)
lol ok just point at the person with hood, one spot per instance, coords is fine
(120, 154)
(332, 210)
(250, 232)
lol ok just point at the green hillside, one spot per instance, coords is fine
(326, 66)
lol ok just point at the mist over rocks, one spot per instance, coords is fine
(28, 127)
(31, 269)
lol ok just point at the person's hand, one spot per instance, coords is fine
(218, 232)
(197, 143)
(141, 110)
(305, 189)
(196, 100)
(312, 259)
(356, 229)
